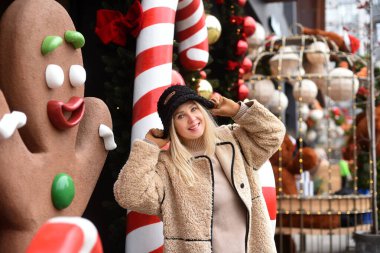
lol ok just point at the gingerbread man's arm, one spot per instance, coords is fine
(91, 146)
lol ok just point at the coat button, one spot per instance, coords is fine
(242, 185)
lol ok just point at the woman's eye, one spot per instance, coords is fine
(180, 116)
(194, 108)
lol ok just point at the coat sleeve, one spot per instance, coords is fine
(139, 186)
(258, 132)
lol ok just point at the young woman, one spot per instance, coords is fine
(205, 187)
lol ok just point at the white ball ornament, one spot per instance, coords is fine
(318, 53)
(343, 84)
(214, 29)
(304, 111)
(316, 115)
(285, 62)
(305, 91)
(258, 37)
(278, 103)
(204, 89)
(302, 127)
(311, 136)
(261, 90)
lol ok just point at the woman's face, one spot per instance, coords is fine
(189, 122)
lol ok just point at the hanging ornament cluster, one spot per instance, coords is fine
(244, 27)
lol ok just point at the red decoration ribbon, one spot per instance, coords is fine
(113, 26)
(232, 65)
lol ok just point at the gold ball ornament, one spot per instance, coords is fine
(214, 29)
(204, 89)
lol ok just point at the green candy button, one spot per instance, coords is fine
(62, 191)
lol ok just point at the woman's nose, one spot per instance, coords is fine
(191, 117)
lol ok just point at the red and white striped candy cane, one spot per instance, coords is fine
(154, 52)
(268, 187)
(191, 33)
(66, 234)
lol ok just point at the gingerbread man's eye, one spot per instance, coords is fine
(77, 75)
(54, 76)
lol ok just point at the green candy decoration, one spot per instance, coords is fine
(75, 38)
(62, 191)
(50, 43)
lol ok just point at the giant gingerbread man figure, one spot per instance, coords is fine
(50, 165)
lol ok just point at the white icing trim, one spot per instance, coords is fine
(10, 122)
(106, 133)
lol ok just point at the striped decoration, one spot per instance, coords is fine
(66, 234)
(191, 34)
(154, 52)
(268, 185)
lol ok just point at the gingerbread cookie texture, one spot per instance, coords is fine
(42, 76)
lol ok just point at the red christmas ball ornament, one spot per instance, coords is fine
(241, 3)
(246, 64)
(241, 72)
(203, 74)
(249, 26)
(243, 92)
(241, 47)
(177, 78)
(240, 82)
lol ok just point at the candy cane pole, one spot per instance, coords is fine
(154, 54)
(66, 234)
(268, 187)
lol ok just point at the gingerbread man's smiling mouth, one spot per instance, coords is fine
(56, 112)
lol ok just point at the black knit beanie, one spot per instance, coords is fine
(172, 98)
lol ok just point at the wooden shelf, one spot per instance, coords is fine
(318, 231)
(334, 204)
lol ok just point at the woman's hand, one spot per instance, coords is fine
(223, 106)
(155, 135)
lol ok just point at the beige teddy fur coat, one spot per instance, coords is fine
(149, 183)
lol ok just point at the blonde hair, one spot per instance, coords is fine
(181, 157)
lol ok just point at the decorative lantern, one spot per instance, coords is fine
(278, 103)
(343, 84)
(285, 62)
(305, 91)
(261, 90)
(318, 53)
